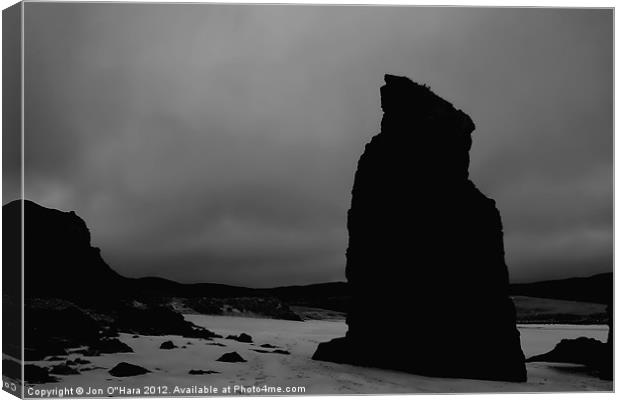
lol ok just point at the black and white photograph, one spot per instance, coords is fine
(205, 199)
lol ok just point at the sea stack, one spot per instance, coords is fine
(425, 262)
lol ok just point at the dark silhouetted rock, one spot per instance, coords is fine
(201, 372)
(233, 357)
(63, 369)
(261, 351)
(585, 351)
(582, 350)
(268, 346)
(279, 351)
(126, 369)
(167, 345)
(52, 326)
(61, 260)
(244, 338)
(65, 275)
(159, 320)
(425, 262)
(35, 374)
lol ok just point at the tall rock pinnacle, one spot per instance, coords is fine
(425, 261)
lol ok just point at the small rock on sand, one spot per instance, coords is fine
(233, 357)
(244, 338)
(167, 345)
(126, 369)
(202, 372)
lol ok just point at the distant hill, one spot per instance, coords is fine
(334, 295)
(153, 286)
(593, 289)
(329, 296)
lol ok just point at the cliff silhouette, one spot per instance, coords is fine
(425, 245)
(59, 259)
(72, 298)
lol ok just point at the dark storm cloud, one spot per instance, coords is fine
(218, 143)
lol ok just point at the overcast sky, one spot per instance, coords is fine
(219, 142)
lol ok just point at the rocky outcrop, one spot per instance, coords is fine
(72, 297)
(158, 320)
(583, 350)
(60, 260)
(53, 326)
(592, 353)
(425, 262)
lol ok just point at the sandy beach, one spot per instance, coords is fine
(297, 371)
